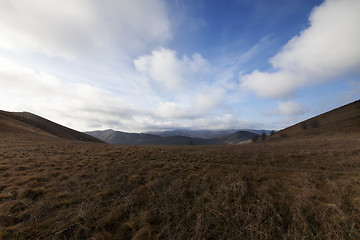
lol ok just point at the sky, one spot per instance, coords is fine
(145, 65)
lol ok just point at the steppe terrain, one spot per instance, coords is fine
(301, 183)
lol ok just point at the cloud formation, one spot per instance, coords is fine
(291, 108)
(69, 29)
(84, 107)
(327, 49)
(92, 64)
(45, 94)
(163, 67)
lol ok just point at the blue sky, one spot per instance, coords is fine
(145, 65)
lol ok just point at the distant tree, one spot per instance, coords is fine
(304, 125)
(272, 132)
(255, 138)
(263, 136)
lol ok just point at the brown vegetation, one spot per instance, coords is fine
(343, 122)
(74, 190)
(20, 123)
(308, 188)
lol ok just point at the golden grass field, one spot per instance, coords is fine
(281, 188)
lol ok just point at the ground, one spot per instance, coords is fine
(60, 189)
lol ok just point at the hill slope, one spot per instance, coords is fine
(342, 122)
(28, 124)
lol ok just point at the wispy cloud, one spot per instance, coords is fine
(115, 64)
(44, 93)
(83, 106)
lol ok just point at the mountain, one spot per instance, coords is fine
(237, 137)
(259, 132)
(193, 133)
(116, 137)
(25, 124)
(342, 122)
(203, 133)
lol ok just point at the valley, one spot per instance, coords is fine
(297, 184)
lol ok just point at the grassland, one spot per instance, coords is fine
(60, 189)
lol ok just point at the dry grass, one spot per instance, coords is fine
(276, 190)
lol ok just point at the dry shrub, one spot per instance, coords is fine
(33, 193)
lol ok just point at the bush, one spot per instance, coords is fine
(255, 138)
(263, 136)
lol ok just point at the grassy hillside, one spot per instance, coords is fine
(25, 123)
(343, 122)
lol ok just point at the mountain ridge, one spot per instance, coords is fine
(203, 133)
(118, 137)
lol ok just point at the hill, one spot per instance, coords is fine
(340, 123)
(30, 125)
(116, 137)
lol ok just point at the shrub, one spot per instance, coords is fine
(255, 138)
(263, 136)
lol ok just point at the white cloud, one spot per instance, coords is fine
(209, 99)
(73, 104)
(84, 107)
(165, 68)
(278, 84)
(328, 48)
(71, 28)
(221, 121)
(291, 108)
(200, 105)
(288, 108)
(162, 66)
(172, 110)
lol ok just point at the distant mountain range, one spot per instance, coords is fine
(204, 133)
(342, 122)
(177, 137)
(28, 124)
